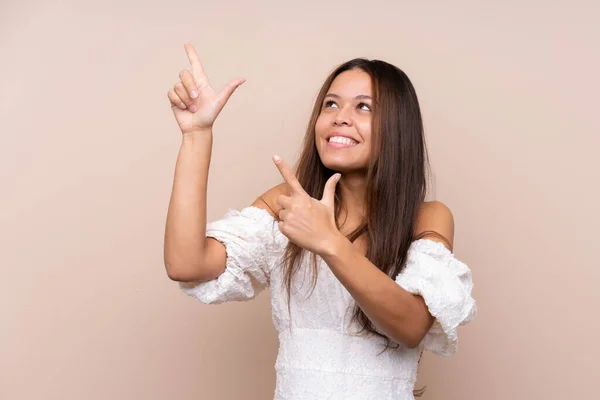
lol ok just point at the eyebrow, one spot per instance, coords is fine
(359, 97)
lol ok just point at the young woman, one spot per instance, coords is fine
(361, 269)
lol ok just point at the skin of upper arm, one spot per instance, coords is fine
(436, 217)
(268, 200)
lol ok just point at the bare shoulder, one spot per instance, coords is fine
(268, 200)
(435, 221)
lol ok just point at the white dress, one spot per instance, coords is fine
(319, 357)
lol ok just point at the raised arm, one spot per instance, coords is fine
(188, 254)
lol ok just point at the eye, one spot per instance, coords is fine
(330, 103)
(365, 105)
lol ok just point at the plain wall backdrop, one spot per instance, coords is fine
(509, 94)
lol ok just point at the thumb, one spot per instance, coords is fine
(329, 191)
(228, 90)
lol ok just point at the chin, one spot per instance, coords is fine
(343, 166)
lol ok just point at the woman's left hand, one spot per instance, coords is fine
(308, 222)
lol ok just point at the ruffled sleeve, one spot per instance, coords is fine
(433, 272)
(252, 242)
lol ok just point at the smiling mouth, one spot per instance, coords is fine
(341, 140)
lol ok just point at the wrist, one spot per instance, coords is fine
(197, 136)
(197, 133)
(335, 247)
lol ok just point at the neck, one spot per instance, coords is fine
(353, 190)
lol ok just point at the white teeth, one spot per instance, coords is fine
(342, 140)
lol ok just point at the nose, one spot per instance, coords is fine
(342, 117)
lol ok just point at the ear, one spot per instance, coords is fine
(329, 191)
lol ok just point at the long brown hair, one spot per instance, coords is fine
(396, 180)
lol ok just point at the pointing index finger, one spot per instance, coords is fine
(288, 175)
(197, 68)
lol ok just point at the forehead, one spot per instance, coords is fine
(351, 83)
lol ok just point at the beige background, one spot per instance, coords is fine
(510, 99)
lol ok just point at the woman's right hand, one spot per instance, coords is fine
(194, 102)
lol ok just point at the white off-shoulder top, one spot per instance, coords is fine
(320, 355)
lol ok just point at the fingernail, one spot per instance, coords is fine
(193, 108)
(276, 158)
(194, 94)
(182, 106)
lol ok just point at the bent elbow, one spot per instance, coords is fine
(413, 344)
(190, 271)
(182, 272)
(415, 340)
(175, 275)
(410, 340)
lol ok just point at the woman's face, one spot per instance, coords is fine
(343, 129)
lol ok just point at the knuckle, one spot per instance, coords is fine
(179, 92)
